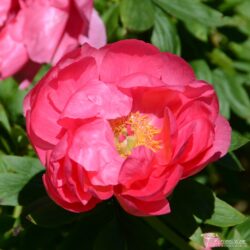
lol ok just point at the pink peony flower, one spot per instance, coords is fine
(211, 240)
(126, 121)
(33, 32)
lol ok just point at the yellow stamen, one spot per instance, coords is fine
(133, 131)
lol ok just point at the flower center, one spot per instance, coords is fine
(133, 131)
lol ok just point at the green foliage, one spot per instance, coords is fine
(224, 215)
(11, 98)
(137, 15)
(230, 161)
(240, 232)
(15, 172)
(238, 141)
(164, 34)
(192, 11)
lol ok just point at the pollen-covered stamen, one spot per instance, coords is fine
(133, 131)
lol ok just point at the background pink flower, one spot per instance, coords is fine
(33, 32)
(125, 120)
(211, 240)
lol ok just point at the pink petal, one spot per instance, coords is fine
(77, 24)
(137, 166)
(70, 78)
(176, 71)
(193, 138)
(173, 178)
(97, 32)
(201, 107)
(168, 128)
(44, 115)
(66, 44)
(94, 100)
(155, 100)
(43, 31)
(93, 148)
(68, 181)
(130, 56)
(4, 9)
(60, 4)
(13, 54)
(155, 187)
(139, 80)
(217, 150)
(68, 195)
(83, 52)
(84, 7)
(142, 208)
(24, 84)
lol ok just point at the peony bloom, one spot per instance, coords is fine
(33, 32)
(126, 121)
(211, 240)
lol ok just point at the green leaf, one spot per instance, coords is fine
(242, 66)
(241, 235)
(198, 30)
(235, 93)
(237, 141)
(4, 118)
(137, 15)
(219, 82)
(243, 8)
(164, 34)
(19, 139)
(202, 70)
(242, 51)
(229, 4)
(221, 59)
(12, 98)
(242, 23)
(196, 238)
(230, 161)
(225, 215)
(167, 233)
(192, 11)
(111, 20)
(190, 200)
(15, 172)
(4, 145)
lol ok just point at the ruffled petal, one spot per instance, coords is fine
(71, 78)
(193, 138)
(126, 57)
(175, 71)
(144, 208)
(220, 146)
(13, 55)
(94, 100)
(44, 115)
(63, 186)
(43, 31)
(136, 167)
(139, 80)
(93, 148)
(4, 9)
(97, 32)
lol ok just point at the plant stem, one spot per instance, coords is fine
(167, 233)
